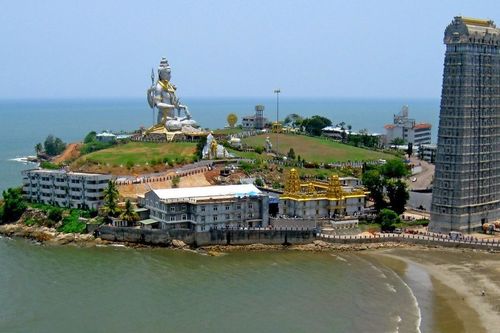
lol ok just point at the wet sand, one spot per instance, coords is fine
(457, 281)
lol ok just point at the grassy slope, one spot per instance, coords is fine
(228, 131)
(141, 152)
(317, 149)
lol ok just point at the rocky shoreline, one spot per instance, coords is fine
(51, 237)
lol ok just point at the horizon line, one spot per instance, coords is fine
(271, 96)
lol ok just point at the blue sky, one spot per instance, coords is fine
(88, 49)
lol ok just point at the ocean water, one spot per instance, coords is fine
(25, 123)
(115, 289)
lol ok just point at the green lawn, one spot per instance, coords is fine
(249, 154)
(227, 131)
(314, 149)
(139, 153)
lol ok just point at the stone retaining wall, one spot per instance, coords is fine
(212, 237)
(272, 237)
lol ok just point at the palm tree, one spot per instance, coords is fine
(129, 215)
(111, 195)
(38, 148)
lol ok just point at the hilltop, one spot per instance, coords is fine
(136, 157)
(316, 149)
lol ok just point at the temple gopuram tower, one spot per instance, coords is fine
(466, 191)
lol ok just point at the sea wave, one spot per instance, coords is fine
(415, 302)
(25, 159)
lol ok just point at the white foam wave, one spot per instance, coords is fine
(25, 160)
(415, 303)
(341, 259)
(390, 287)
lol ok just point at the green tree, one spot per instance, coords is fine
(398, 141)
(398, 194)
(128, 214)
(111, 195)
(14, 205)
(38, 148)
(315, 124)
(387, 179)
(409, 151)
(293, 120)
(53, 146)
(395, 168)
(90, 137)
(387, 219)
(291, 154)
(373, 181)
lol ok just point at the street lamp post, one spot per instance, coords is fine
(277, 92)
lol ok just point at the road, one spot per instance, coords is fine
(425, 177)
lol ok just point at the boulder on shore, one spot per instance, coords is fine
(178, 244)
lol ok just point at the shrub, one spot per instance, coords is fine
(129, 164)
(49, 165)
(259, 149)
(72, 224)
(247, 167)
(387, 219)
(30, 222)
(55, 214)
(94, 146)
(175, 181)
(259, 182)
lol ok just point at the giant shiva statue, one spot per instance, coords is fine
(161, 95)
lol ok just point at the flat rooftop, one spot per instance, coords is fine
(243, 190)
(48, 171)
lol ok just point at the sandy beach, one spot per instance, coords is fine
(458, 278)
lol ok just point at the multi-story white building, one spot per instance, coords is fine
(408, 130)
(256, 121)
(65, 189)
(202, 208)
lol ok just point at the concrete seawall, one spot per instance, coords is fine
(273, 237)
(413, 239)
(212, 237)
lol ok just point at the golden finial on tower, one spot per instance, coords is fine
(334, 188)
(292, 182)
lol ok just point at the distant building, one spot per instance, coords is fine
(316, 200)
(202, 208)
(106, 137)
(407, 129)
(255, 121)
(65, 189)
(466, 189)
(336, 132)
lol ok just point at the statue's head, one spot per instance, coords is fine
(164, 69)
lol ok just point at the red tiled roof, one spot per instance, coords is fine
(388, 126)
(422, 126)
